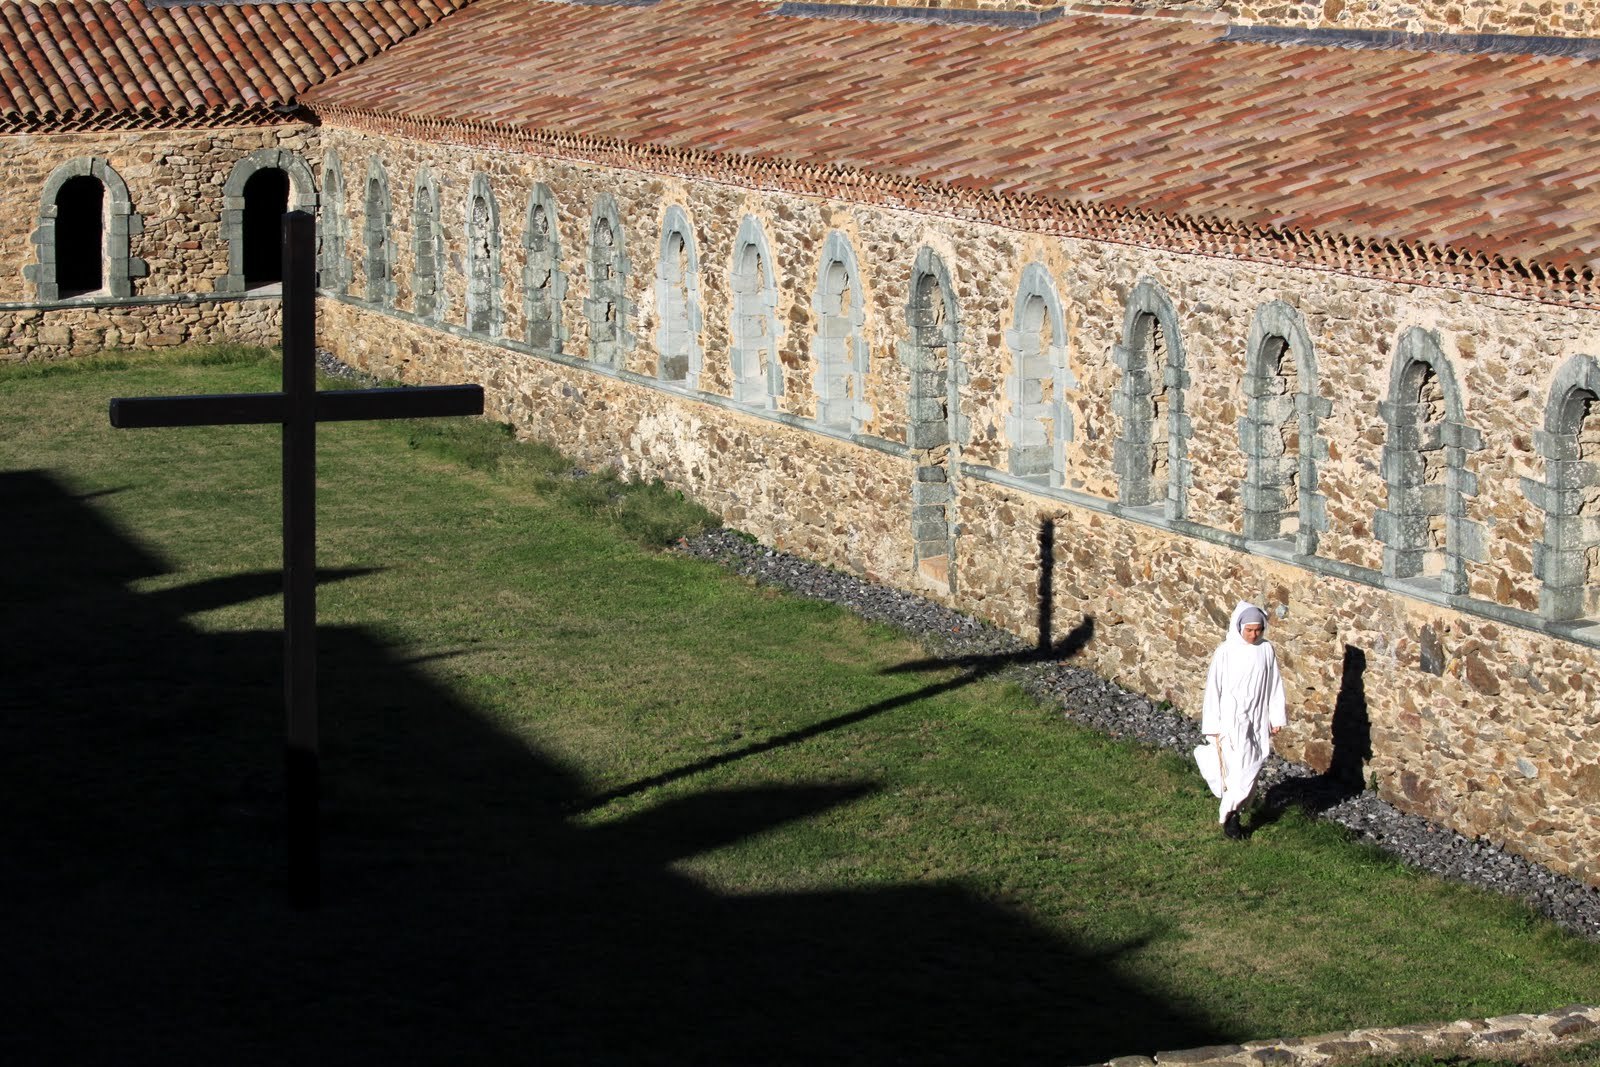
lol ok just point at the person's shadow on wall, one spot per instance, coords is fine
(1352, 748)
(470, 915)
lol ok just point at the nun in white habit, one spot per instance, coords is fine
(1243, 709)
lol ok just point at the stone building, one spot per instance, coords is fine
(1294, 303)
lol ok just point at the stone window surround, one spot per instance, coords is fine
(1559, 557)
(377, 225)
(1401, 524)
(333, 225)
(676, 223)
(935, 430)
(427, 251)
(541, 199)
(1278, 326)
(1131, 400)
(1035, 453)
(609, 351)
(839, 351)
(120, 224)
(485, 315)
(302, 197)
(752, 385)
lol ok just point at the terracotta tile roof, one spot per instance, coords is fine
(84, 63)
(1480, 154)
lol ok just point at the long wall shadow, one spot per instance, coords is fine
(467, 917)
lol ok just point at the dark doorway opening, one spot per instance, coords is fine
(266, 198)
(80, 236)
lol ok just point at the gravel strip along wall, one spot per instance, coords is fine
(1501, 1036)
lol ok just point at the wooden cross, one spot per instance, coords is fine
(298, 409)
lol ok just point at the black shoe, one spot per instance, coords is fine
(1231, 828)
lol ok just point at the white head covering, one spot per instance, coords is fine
(1241, 671)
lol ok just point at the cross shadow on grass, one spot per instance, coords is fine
(467, 918)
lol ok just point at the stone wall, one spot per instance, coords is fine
(1551, 18)
(1482, 715)
(171, 215)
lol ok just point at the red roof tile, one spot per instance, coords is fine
(82, 63)
(1480, 153)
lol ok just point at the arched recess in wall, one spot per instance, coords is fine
(485, 315)
(1038, 420)
(82, 237)
(1279, 432)
(607, 307)
(933, 429)
(839, 345)
(1424, 528)
(260, 188)
(753, 351)
(333, 226)
(544, 284)
(678, 301)
(427, 250)
(1151, 452)
(377, 221)
(1567, 560)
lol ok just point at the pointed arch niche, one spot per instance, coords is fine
(1567, 560)
(1279, 432)
(333, 223)
(377, 219)
(427, 250)
(1038, 422)
(932, 419)
(839, 346)
(678, 302)
(753, 350)
(544, 284)
(1424, 528)
(83, 233)
(1151, 452)
(484, 312)
(607, 306)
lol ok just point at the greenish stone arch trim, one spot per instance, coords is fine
(302, 197)
(934, 432)
(428, 301)
(1562, 558)
(1415, 445)
(678, 302)
(119, 225)
(544, 283)
(485, 313)
(333, 226)
(377, 223)
(839, 348)
(607, 307)
(755, 330)
(1278, 332)
(1038, 422)
(1135, 449)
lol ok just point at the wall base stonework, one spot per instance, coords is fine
(81, 329)
(1488, 728)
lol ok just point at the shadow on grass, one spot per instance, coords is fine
(466, 918)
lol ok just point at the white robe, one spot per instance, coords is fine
(1243, 703)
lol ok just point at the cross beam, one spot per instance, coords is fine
(298, 408)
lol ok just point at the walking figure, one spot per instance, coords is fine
(1243, 712)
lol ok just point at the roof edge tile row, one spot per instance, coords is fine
(1409, 263)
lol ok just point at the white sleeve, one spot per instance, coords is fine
(1211, 711)
(1276, 714)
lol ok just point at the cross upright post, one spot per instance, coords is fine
(298, 408)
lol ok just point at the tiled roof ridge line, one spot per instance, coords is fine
(1386, 259)
(99, 119)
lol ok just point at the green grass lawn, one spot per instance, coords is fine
(591, 801)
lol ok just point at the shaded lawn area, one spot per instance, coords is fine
(926, 871)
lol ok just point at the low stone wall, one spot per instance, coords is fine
(1498, 1037)
(81, 329)
(1570, 18)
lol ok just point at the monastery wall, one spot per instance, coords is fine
(921, 398)
(170, 216)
